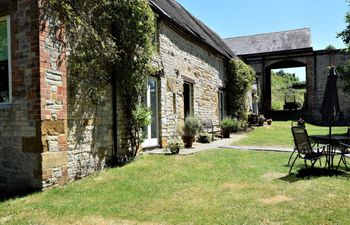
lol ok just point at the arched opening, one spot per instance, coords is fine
(285, 86)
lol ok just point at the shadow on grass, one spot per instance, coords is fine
(314, 173)
(5, 196)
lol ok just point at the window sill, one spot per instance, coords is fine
(5, 106)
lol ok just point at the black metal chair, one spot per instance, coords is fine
(304, 148)
(294, 123)
(344, 153)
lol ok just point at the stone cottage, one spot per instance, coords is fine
(48, 136)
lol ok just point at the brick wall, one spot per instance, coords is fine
(53, 101)
(33, 129)
(20, 143)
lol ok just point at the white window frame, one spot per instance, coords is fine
(8, 25)
(149, 141)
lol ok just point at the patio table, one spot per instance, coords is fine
(333, 142)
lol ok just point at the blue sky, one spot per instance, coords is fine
(233, 18)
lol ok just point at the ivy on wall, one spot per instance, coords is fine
(110, 42)
(239, 80)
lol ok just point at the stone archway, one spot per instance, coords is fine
(266, 89)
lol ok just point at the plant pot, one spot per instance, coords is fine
(188, 140)
(269, 122)
(261, 122)
(175, 151)
(225, 133)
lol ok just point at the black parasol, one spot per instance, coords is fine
(330, 104)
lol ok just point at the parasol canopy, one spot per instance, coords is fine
(330, 104)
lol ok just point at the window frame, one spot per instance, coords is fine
(221, 104)
(9, 57)
(191, 99)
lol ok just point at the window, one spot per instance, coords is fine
(221, 105)
(151, 132)
(188, 99)
(5, 61)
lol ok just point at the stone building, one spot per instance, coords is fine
(193, 60)
(287, 49)
(49, 136)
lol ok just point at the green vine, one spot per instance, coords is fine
(110, 42)
(239, 80)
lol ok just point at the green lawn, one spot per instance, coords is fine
(279, 134)
(214, 187)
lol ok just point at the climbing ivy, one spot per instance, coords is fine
(110, 42)
(239, 80)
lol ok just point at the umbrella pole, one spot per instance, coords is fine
(330, 128)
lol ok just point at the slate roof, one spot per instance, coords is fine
(270, 42)
(173, 11)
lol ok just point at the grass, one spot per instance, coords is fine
(279, 134)
(214, 187)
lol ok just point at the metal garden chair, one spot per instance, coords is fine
(344, 153)
(294, 123)
(304, 148)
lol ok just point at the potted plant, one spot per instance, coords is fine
(175, 145)
(261, 120)
(269, 121)
(191, 128)
(204, 137)
(226, 126)
(301, 122)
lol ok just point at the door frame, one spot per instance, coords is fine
(149, 141)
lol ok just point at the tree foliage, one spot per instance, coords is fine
(282, 84)
(239, 80)
(344, 70)
(110, 41)
(345, 34)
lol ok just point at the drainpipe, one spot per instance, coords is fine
(115, 120)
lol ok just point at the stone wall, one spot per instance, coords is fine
(21, 146)
(90, 134)
(323, 60)
(184, 60)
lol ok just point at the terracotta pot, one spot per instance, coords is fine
(188, 140)
(225, 133)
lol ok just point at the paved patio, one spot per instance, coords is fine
(219, 143)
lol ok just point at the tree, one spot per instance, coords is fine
(110, 42)
(345, 69)
(330, 48)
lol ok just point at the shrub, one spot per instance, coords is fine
(239, 80)
(175, 145)
(204, 137)
(192, 126)
(230, 124)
